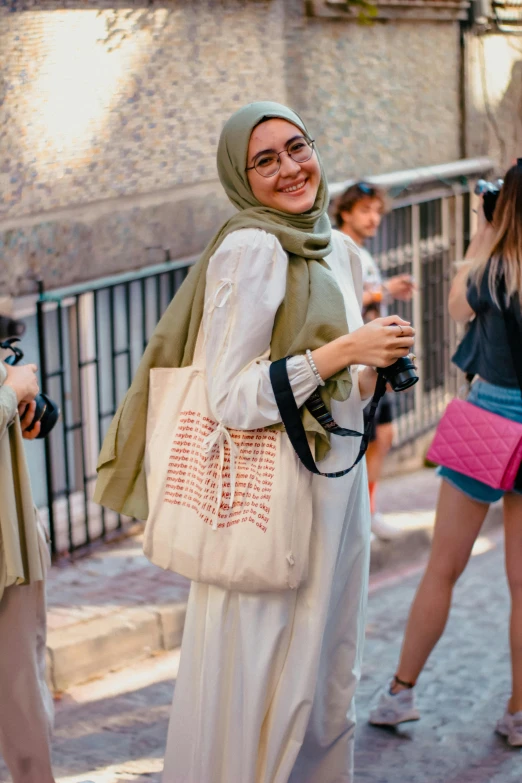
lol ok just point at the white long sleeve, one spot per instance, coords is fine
(246, 283)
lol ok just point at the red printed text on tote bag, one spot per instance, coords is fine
(202, 478)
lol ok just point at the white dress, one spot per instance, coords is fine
(266, 682)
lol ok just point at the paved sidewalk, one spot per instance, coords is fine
(113, 730)
(113, 607)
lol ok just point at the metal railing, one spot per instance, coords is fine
(425, 233)
(425, 239)
(91, 338)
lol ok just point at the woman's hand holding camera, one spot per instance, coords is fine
(22, 378)
(381, 342)
(378, 343)
(26, 412)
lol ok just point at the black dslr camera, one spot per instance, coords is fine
(400, 375)
(47, 412)
(490, 193)
(10, 327)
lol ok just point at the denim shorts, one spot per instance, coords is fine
(503, 400)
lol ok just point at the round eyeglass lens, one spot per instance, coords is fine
(269, 163)
(300, 150)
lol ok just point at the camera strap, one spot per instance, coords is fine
(514, 334)
(295, 430)
(321, 413)
(16, 353)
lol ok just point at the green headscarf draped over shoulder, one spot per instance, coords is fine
(311, 314)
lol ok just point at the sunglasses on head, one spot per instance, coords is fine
(368, 190)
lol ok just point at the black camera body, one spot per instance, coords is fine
(490, 192)
(11, 327)
(47, 412)
(401, 375)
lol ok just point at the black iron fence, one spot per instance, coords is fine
(91, 338)
(424, 238)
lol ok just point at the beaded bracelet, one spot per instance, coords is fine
(314, 368)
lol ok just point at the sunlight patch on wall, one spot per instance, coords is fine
(494, 57)
(77, 84)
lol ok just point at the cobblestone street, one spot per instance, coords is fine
(113, 729)
(461, 694)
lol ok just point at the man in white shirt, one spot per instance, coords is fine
(358, 214)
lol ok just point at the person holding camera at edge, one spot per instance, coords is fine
(276, 671)
(358, 214)
(492, 269)
(26, 705)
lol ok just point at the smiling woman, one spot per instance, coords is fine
(274, 670)
(287, 180)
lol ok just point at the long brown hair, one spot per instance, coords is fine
(506, 252)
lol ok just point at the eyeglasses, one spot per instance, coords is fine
(267, 164)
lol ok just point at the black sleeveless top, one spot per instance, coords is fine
(485, 348)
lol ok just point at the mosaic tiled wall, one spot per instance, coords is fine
(90, 122)
(386, 96)
(108, 138)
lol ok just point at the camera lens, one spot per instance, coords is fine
(405, 378)
(401, 374)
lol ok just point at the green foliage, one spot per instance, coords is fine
(366, 10)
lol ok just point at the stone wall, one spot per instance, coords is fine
(111, 141)
(110, 118)
(386, 96)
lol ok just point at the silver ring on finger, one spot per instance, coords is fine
(402, 330)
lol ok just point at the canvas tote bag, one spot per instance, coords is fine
(227, 507)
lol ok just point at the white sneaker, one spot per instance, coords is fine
(383, 529)
(394, 708)
(510, 726)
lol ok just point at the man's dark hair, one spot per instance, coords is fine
(354, 194)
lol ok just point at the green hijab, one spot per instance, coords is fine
(311, 314)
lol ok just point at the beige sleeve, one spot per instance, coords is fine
(8, 402)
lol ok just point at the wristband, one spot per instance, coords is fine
(314, 368)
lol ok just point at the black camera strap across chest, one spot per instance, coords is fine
(514, 335)
(295, 430)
